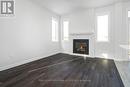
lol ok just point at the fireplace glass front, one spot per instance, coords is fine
(81, 46)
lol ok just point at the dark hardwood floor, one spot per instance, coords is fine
(63, 70)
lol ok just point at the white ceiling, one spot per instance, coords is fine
(66, 6)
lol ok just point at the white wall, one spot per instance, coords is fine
(26, 36)
(122, 38)
(80, 22)
(106, 47)
(84, 21)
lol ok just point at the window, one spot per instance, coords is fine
(102, 28)
(129, 14)
(54, 30)
(66, 30)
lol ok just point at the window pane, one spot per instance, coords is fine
(128, 13)
(54, 30)
(66, 30)
(102, 28)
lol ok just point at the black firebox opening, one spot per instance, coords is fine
(81, 46)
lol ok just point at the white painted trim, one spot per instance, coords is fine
(109, 25)
(62, 29)
(86, 33)
(34, 59)
(56, 29)
(128, 28)
(115, 59)
(121, 60)
(22, 62)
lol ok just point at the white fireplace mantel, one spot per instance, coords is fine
(86, 33)
(68, 46)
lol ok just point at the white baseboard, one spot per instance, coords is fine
(121, 59)
(37, 58)
(115, 59)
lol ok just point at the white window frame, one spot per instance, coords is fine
(128, 12)
(96, 31)
(65, 38)
(127, 24)
(55, 38)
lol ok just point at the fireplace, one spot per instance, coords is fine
(81, 46)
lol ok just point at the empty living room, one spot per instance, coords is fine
(64, 43)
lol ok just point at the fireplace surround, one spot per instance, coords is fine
(81, 46)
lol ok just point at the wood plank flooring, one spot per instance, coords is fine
(63, 70)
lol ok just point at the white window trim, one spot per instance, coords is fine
(127, 21)
(57, 34)
(128, 14)
(109, 25)
(67, 38)
(63, 29)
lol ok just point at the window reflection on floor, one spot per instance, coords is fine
(105, 55)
